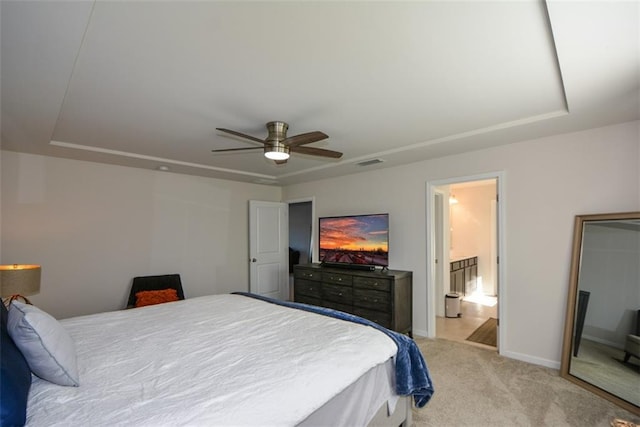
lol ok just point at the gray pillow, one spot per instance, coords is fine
(47, 346)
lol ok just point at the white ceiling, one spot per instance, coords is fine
(145, 83)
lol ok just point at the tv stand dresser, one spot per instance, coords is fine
(384, 297)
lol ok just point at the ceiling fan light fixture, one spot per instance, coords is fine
(276, 155)
(276, 152)
(277, 145)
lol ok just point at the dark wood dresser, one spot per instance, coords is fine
(384, 297)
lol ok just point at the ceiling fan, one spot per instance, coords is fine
(277, 146)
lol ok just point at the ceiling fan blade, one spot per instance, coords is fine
(280, 162)
(305, 138)
(241, 135)
(235, 149)
(316, 152)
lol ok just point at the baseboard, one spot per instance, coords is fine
(604, 342)
(419, 333)
(553, 364)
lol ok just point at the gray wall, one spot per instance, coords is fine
(610, 271)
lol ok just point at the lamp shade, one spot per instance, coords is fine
(19, 279)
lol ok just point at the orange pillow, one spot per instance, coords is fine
(155, 297)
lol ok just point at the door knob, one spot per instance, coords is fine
(254, 260)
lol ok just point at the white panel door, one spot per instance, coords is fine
(268, 248)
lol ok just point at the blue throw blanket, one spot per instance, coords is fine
(412, 374)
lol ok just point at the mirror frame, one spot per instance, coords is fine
(571, 307)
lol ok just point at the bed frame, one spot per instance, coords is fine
(402, 416)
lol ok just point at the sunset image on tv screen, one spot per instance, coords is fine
(360, 239)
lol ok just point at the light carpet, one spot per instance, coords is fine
(477, 387)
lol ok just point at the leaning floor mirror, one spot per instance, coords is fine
(602, 330)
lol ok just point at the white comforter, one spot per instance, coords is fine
(208, 361)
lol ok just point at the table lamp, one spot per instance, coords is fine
(18, 280)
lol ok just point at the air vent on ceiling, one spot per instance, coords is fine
(264, 181)
(370, 162)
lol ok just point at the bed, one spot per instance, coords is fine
(233, 359)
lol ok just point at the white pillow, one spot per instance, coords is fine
(47, 346)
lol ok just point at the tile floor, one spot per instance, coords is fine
(476, 309)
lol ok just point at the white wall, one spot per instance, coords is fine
(546, 183)
(94, 227)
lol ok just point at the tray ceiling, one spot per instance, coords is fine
(145, 84)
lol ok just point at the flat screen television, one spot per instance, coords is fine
(357, 240)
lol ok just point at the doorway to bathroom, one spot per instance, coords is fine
(464, 259)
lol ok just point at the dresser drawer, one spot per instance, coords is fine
(308, 300)
(299, 273)
(375, 300)
(382, 319)
(339, 278)
(337, 306)
(381, 297)
(307, 287)
(337, 293)
(372, 283)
